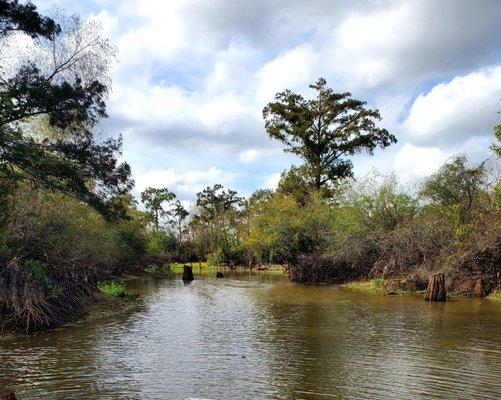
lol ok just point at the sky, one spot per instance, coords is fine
(193, 76)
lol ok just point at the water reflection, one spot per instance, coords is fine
(257, 336)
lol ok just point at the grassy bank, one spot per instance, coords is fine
(390, 287)
(206, 268)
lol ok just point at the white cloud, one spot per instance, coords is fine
(413, 162)
(250, 155)
(184, 183)
(271, 182)
(256, 154)
(194, 76)
(454, 111)
(290, 70)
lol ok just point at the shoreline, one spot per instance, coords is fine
(383, 287)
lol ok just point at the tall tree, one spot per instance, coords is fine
(179, 213)
(156, 202)
(68, 94)
(325, 130)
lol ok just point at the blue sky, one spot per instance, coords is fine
(192, 78)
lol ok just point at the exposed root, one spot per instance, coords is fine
(28, 304)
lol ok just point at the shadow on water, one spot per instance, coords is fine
(255, 336)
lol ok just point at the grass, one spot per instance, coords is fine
(112, 289)
(496, 295)
(178, 267)
(211, 268)
(373, 286)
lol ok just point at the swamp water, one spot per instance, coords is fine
(256, 336)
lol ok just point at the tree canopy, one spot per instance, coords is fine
(456, 184)
(24, 17)
(324, 131)
(155, 200)
(74, 161)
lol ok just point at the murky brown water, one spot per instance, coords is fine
(261, 338)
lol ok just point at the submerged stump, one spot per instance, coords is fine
(436, 288)
(479, 290)
(187, 273)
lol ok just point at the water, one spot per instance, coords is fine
(259, 337)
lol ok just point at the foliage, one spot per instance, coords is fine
(40, 272)
(113, 289)
(24, 17)
(155, 200)
(72, 162)
(215, 201)
(456, 185)
(297, 182)
(380, 203)
(213, 227)
(497, 133)
(282, 229)
(325, 130)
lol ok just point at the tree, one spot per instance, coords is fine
(496, 147)
(215, 201)
(379, 202)
(25, 18)
(456, 184)
(155, 200)
(297, 182)
(216, 219)
(325, 130)
(179, 213)
(281, 229)
(71, 101)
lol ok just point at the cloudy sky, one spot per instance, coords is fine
(194, 75)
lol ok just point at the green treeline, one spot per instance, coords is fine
(68, 220)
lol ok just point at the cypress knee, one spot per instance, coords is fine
(187, 273)
(436, 288)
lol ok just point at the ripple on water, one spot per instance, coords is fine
(249, 338)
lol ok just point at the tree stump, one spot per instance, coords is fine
(187, 273)
(479, 290)
(436, 288)
(219, 274)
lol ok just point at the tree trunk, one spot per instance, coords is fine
(436, 289)
(479, 290)
(187, 273)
